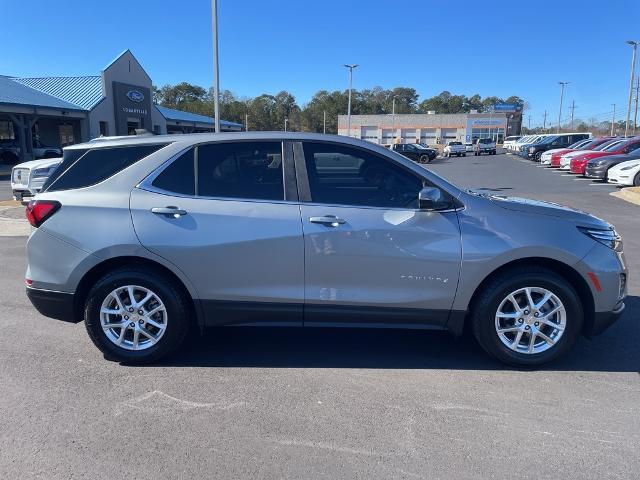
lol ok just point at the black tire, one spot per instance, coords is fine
(464, 154)
(177, 307)
(538, 157)
(424, 159)
(487, 302)
(636, 180)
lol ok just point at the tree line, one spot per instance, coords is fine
(268, 112)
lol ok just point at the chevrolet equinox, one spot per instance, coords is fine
(145, 237)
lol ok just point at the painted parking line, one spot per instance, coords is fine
(603, 184)
(567, 175)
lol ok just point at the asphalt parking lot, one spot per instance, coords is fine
(323, 403)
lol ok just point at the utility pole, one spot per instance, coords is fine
(324, 122)
(562, 85)
(246, 122)
(573, 107)
(634, 46)
(544, 122)
(285, 123)
(529, 122)
(216, 73)
(613, 118)
(635, 117)
(350, 67)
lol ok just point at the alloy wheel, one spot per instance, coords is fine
(133, 317)
(530, 320)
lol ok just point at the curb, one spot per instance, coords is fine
(630, 194)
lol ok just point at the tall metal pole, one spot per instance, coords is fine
(246, 122)
(529, 122)
(544, 122)
(573, 107)
(350, 67)
(634, 46)
(324, 122)
(393, 120)
(635, 117)
(562, 85)
(285, 123)
(216, 73)
(613, 118)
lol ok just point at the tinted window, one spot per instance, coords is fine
(179, 176)
(631, 147)
(249, 170)
(69, 157)
(347, 176)
(99, 164)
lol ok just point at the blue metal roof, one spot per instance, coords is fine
(180, 116)
(84, 92)
(18, 94)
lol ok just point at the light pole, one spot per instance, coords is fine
(635, 118)
(246, 122)
(562, 85)
(324, 122)
(350, 67)
(285, 123)
(216, 73)
(613, 118)
(634, 46)
(393, 119)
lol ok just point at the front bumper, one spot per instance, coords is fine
(57, 305)
(596, 172)
(577, 168)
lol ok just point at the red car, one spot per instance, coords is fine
(596, 142)
(579, 163)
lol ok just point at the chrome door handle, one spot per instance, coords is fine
(328, 220)
(172, 211)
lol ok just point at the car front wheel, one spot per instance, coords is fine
(527, 318)
(136, 316)
(636, 180)
(424, 159)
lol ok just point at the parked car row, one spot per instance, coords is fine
(534, 146)
(612, 159)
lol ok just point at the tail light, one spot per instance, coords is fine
(40, 210)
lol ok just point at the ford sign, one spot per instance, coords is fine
(135, 96)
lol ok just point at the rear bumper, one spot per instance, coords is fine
(603, 320)
(57, 305)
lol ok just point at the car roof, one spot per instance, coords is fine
(196, 138)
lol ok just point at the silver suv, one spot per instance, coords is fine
(143, 238)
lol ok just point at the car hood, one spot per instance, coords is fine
(627, 163)
(538, 207)
(47, 162)
(615, 159)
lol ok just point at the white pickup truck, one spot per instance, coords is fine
(28, 178)
(455, 148)
(485, 145)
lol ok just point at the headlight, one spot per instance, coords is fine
(630, 167)
(532, 149)
(610, 237)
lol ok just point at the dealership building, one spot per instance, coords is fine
(432, 128)
(60, 111)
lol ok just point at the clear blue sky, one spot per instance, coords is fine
(491, 48)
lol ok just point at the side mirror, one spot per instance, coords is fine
(432, 198)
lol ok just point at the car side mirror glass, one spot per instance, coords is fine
(432, 198)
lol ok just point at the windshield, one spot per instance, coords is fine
(547, 139)
(581, 143)
(455, 143)
(608, 146)
(485, 140)
(418, 146)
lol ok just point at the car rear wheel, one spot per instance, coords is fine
(527, 318)
(636, 180)
(424, 159)
(136, 316)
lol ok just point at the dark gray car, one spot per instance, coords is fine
(143, 238)
(598, 167)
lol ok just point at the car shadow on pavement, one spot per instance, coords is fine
(616, 350)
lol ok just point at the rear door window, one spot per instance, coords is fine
(244, 170)
(179, 176)
(94, 166)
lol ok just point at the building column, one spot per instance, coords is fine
(85, 134)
